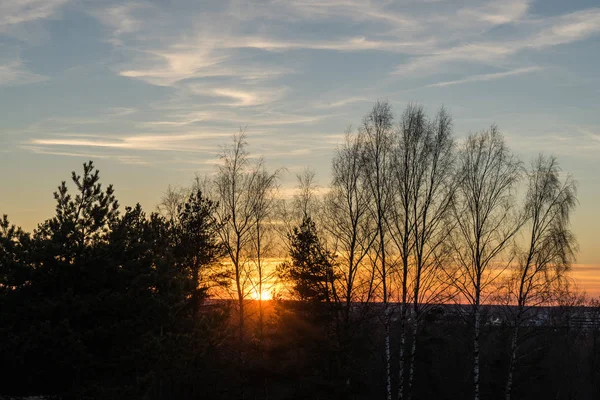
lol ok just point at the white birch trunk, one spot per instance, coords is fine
(388, 357)
(476, 354)
(513, 359)
(413, 352)
(401, 355)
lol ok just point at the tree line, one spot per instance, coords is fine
(103, 303)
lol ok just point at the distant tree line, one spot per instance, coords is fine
(100, 302)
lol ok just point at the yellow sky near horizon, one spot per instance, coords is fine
(585, 276)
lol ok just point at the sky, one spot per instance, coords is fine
(151, 90)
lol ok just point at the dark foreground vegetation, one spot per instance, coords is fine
(104, 303)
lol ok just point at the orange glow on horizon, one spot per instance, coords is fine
(585, 276)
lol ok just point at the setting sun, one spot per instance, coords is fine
(266, 295)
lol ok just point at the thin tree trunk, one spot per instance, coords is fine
(260, 285)
(260, 313)
(476, 353)
(196, 277)
(388, 355)
(387, 311)
(241, 330)
(261, 334)
(413, 352)
(241, 307)
(346, 338)
(346, 346)
(403, 318)
(401, 353)
(513, 357)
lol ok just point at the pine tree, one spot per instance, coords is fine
(311, 267)
(197, 244)
(82, 220)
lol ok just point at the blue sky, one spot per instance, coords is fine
(151, 90)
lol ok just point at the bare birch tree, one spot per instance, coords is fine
(348, 222)
(352, 234)
(430, 164)
(304, 203)
(264, 191)
(376, 133)
(171, 201)
(485, 220)
(175, 196)
(234, 188)
(549, 249)
(408, 166)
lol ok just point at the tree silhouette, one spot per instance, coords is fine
(197, 244)
(83, 219)
(310, 270)
(15, 246)
(376, 134)
(541, 264)
(483, 210)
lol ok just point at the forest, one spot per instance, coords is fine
(430, 267)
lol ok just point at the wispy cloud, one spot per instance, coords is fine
(357, 43)
(193, 148)
(183, 143)
(239, 96)
(374, 11)
(486, 77)
(206, 57)
(123, 159)
(230, 118)
(16, 19)
(121, 111)
(567, 28)
(43, 150)
(17, 12)
(497, 12)
(121, 19)
(526, 34)
(211, 43)
(484, 53)
(15, 73)
(345, 101)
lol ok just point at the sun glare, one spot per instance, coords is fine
(266, 295)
